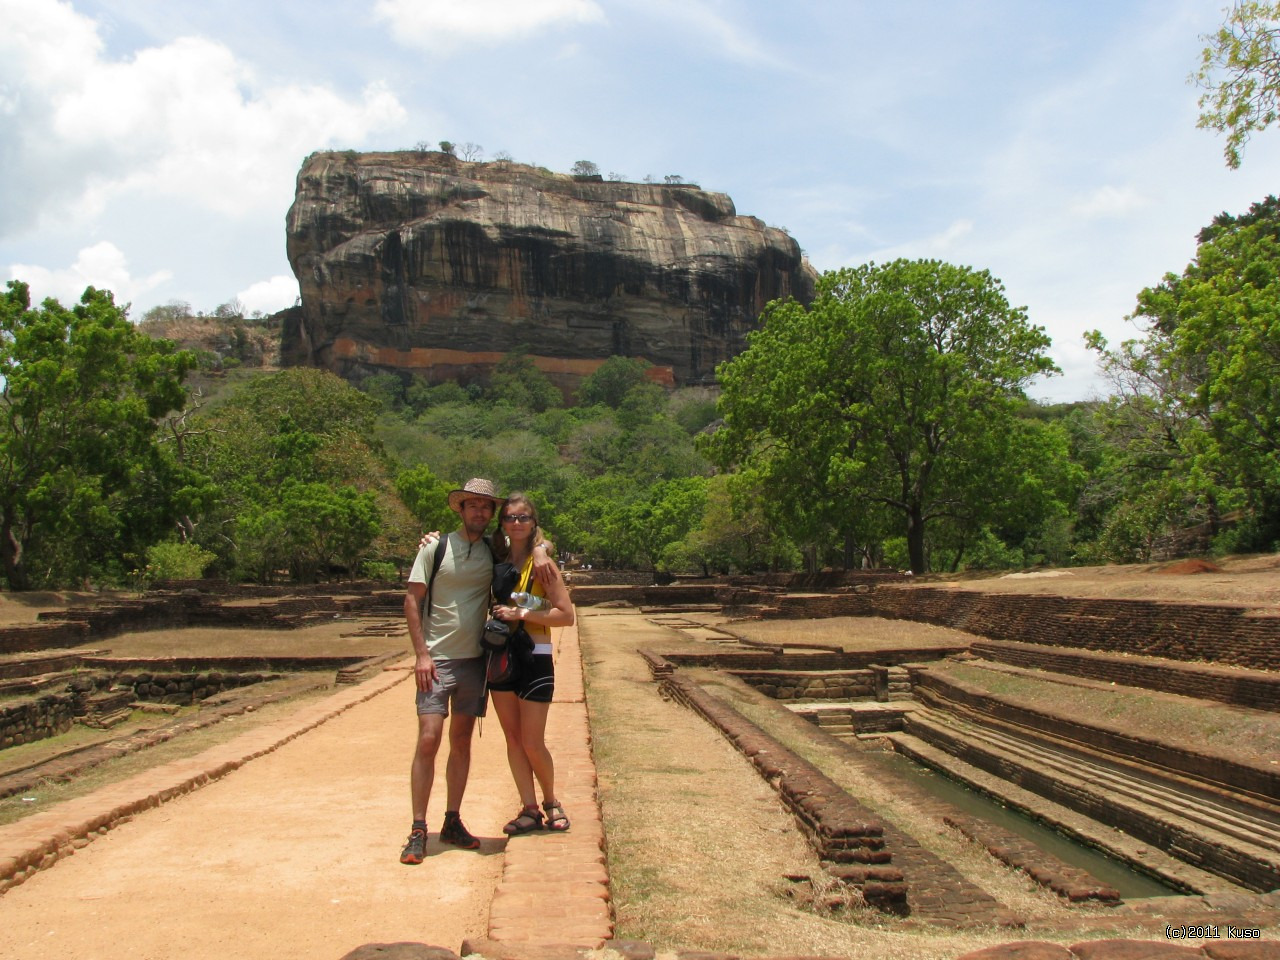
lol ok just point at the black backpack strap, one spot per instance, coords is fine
(441, 546)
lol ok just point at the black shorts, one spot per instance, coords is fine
(535, 679)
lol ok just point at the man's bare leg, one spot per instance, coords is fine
(422, 773)
(458, 767)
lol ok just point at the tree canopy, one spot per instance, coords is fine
(886, 404)
(83, 482)
(303, 486)
(1240, 73)
(1196, 393)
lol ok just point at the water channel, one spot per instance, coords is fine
(1130, 883)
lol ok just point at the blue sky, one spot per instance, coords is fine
(150, 146)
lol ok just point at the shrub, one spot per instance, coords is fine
(173, 560)
(380, 570)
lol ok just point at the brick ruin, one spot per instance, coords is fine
(1213, 652)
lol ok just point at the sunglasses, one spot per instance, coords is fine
(517, 518)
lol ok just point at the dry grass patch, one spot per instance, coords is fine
(851, 633)
(1249, 735)
(327, 639)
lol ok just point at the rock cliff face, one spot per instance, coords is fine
(422, 263)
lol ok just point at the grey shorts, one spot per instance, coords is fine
(460, 682)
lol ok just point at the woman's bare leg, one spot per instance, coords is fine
(533, 729)
(508, 708)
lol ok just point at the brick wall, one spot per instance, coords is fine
(184, 687)
(1222, 634)
(27, 637)
(1258, 689)
(844, 834)
(801, 662)
(782, 685)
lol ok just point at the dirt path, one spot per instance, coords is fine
(293, 855)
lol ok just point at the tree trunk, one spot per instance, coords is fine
(15, 571)
(915, 540)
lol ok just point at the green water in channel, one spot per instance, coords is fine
(1129, 883)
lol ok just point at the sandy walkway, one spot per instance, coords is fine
(293, 855)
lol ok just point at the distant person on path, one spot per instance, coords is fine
(522, 703)
(449, 667)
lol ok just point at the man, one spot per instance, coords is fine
(449, 666)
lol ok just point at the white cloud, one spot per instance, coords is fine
(186, 119)
(727, 38)
(269, 296)
(102, 265)
(1108, 203)
(443, 25)
(941, 245)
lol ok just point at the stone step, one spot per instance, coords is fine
(105, 721)
(19, 686)
(1203, 827)
(1077, 826)
(1238, 823)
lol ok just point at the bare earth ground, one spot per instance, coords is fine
(295, 853)
(1252, 581)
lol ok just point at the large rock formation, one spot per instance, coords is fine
(423, 263)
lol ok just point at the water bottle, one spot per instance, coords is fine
(527, 600)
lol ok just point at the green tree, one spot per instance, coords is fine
(666, 514)
(386, 387)
(895, 390)
(613, 380)
(327, 527)
(82, 393)
(517, 382)
(1240, 73)
(1199, 391)
(421, 394)
(299, 475)
(733, 533)
(165, 313)
(427, 498)
(176, 560)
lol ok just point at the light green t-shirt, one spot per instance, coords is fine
(459, 596)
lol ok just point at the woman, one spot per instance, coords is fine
(523, 702)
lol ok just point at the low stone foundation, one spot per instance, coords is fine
(1233, 636)
(846, 837)
(36, 719)
(69, 628)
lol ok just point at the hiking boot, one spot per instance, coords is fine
(454, 832)
(415, 851)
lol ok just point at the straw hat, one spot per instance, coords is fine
(475, 488)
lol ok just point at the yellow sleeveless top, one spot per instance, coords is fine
(540, 632)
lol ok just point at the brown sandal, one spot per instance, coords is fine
(556, 819)
(527, 820)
